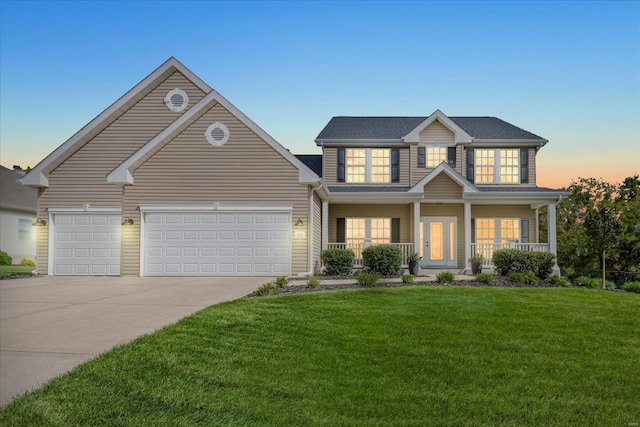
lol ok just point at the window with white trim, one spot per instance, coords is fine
(368, 165)
(493, 234)
(497, 166)
(435, 154)
(362, 232)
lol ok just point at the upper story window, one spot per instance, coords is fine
(435, 154)
(497, 166)
(368, 165)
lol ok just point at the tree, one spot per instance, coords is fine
(629, 236)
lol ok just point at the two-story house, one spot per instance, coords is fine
(173, 179)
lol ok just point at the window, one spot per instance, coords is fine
(436, 154)
(363, 232)
(25, 229)
(492, 234)
(497, 166)
(368, 165)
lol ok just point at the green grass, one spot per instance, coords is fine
(16, 270)
(415, 356)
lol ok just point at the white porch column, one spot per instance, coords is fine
(325, 225)
(467, 236)
(416, 227)
(552, 238)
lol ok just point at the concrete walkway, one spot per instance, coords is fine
(48, 325)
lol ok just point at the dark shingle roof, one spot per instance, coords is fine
(518, 189)
(366, 189)
(394, 128)
(312, 161)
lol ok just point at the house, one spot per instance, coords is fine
(173, 179)
(17, 214)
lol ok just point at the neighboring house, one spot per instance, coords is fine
(17, 214)
(172, 179)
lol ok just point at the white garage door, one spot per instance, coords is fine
(86, 245)
(217, 244)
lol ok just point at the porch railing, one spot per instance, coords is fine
(357, 248)
(487, 249)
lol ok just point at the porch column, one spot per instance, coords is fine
(551, 230)
(325, 225)
(467, 236)
(416, 227)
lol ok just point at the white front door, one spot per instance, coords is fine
(438, 237)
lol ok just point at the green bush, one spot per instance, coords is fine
(559, 281)
(313, 282)
(524, 278)
(367, 278)
(28, 262)
(385, 259)
(5, 259)
(632, 287)
(408, 279)
(485, 278)
(594, 283)
(508, 261)
(282, 282)
(338, 262)
(266, 289)
(445, 277)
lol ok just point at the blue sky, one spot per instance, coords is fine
(567, 71)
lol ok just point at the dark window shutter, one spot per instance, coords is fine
(473, 231)
(470, 165)
(451, 156)
(524, 166)
(422, 155)
(395, 230)
(395, 165)
(524, 230)
(341, 162)
(341, 230)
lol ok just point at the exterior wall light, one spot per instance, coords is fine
(127, 221)
(299, 222)
(40, 222)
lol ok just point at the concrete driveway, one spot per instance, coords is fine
(48, 325)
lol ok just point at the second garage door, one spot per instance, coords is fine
(217, 244)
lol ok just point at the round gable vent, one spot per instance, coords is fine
(176, 100)
(217, 134)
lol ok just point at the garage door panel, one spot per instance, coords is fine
(86, 244)
(217, 244)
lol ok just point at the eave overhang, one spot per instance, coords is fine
(355, 141)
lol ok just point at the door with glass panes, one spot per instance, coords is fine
(438, 242)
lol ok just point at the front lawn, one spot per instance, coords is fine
(447, 356)
(16, 270)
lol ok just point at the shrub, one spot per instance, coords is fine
(445, 277)
(593, 283)
(367, 278)
(28, 262)
(5, 259)
(508, 261)
(485, 278)
(408, 279)
(524, 278)
(338, 262)
(266, 289)
(385, 259)
(559, 281)
(282, 282)
(313, 282)
(632, 287)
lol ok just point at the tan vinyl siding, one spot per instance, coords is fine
(81, 179)
(532, 167)
(330, 168)
(317, 231)
(442, 187)
(437, 132)
(189, 170)
(372, 211)
(507, 212)
(448, 210)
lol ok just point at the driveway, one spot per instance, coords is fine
(48, 325)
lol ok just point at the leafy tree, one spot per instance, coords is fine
(629, 235)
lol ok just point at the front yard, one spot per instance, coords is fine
(16, 270)
(391, 356)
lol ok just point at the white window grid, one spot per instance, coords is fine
(368, 165)
(436, 154)
(362, 232)
(507, 170)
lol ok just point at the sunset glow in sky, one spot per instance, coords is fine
(567, 71)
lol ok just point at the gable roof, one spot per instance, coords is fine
(450, 172)
(38, 176)
(395, 129)
(123, 174)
